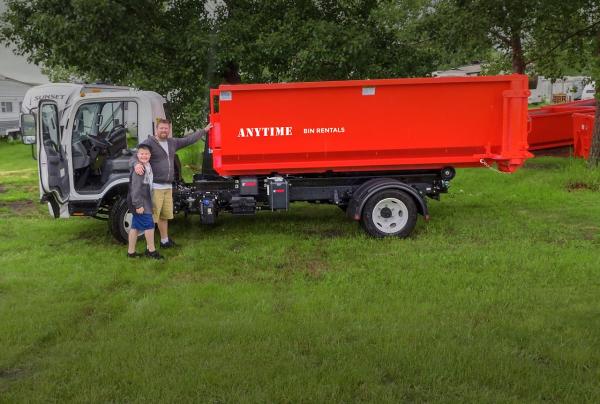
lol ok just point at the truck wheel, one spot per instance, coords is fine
(389, 213)
(119, 220)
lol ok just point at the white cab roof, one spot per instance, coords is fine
(66, 94)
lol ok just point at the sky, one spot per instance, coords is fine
(17, 67)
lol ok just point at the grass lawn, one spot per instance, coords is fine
(496, 299)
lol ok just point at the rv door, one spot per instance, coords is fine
(53, 167)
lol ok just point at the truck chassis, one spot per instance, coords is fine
(385, 203)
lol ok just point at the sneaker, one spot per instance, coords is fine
(134, 255)
(154, 255)
(168, 244)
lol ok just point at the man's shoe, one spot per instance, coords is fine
(154, 255)
(134, 255)
(168, 244)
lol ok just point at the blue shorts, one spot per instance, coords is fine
(142, 222)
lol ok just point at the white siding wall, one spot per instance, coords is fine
(11, 92)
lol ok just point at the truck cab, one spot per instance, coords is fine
(84, 135)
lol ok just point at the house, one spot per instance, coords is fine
(461, 71)
(17, 75)
(11, 95)
(542, 89)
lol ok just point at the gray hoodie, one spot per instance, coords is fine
(163, 166)
(140, 191)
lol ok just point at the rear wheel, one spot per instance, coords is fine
(389, 213)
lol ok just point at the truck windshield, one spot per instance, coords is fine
(100, 118)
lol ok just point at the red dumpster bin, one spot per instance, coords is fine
(583, 127)
(370, 125)
(552, 125)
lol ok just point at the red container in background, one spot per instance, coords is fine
(583, 129)
(370, 125)
(552, 125)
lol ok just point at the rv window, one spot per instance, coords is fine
(6, 107)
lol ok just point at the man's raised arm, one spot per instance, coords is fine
(191, 139)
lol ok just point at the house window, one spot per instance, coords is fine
(6, 107)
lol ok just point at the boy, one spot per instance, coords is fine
(139, 201)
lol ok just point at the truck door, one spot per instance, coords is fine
(53, 167)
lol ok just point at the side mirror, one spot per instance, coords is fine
(28, 128)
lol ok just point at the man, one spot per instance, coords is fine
(162, 163)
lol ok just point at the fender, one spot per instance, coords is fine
(119, 188)
(369, 188)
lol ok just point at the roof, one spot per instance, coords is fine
(467, 70)
(19, 69)
(3, 77)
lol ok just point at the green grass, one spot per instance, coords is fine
(538, 104)
(191, 160)
(496, 299)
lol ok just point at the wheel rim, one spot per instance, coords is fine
(127, 219)
(390, 215)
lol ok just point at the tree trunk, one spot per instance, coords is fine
(594, 158)
(518, 59)
(231, 73)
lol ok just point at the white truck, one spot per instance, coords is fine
(86, 133)
(85, 136)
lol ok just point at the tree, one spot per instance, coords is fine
(594, 158)
(148, 44)
(518, 29)
(573, 43)
(286, 40)
(548, 37)
(180, 48)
